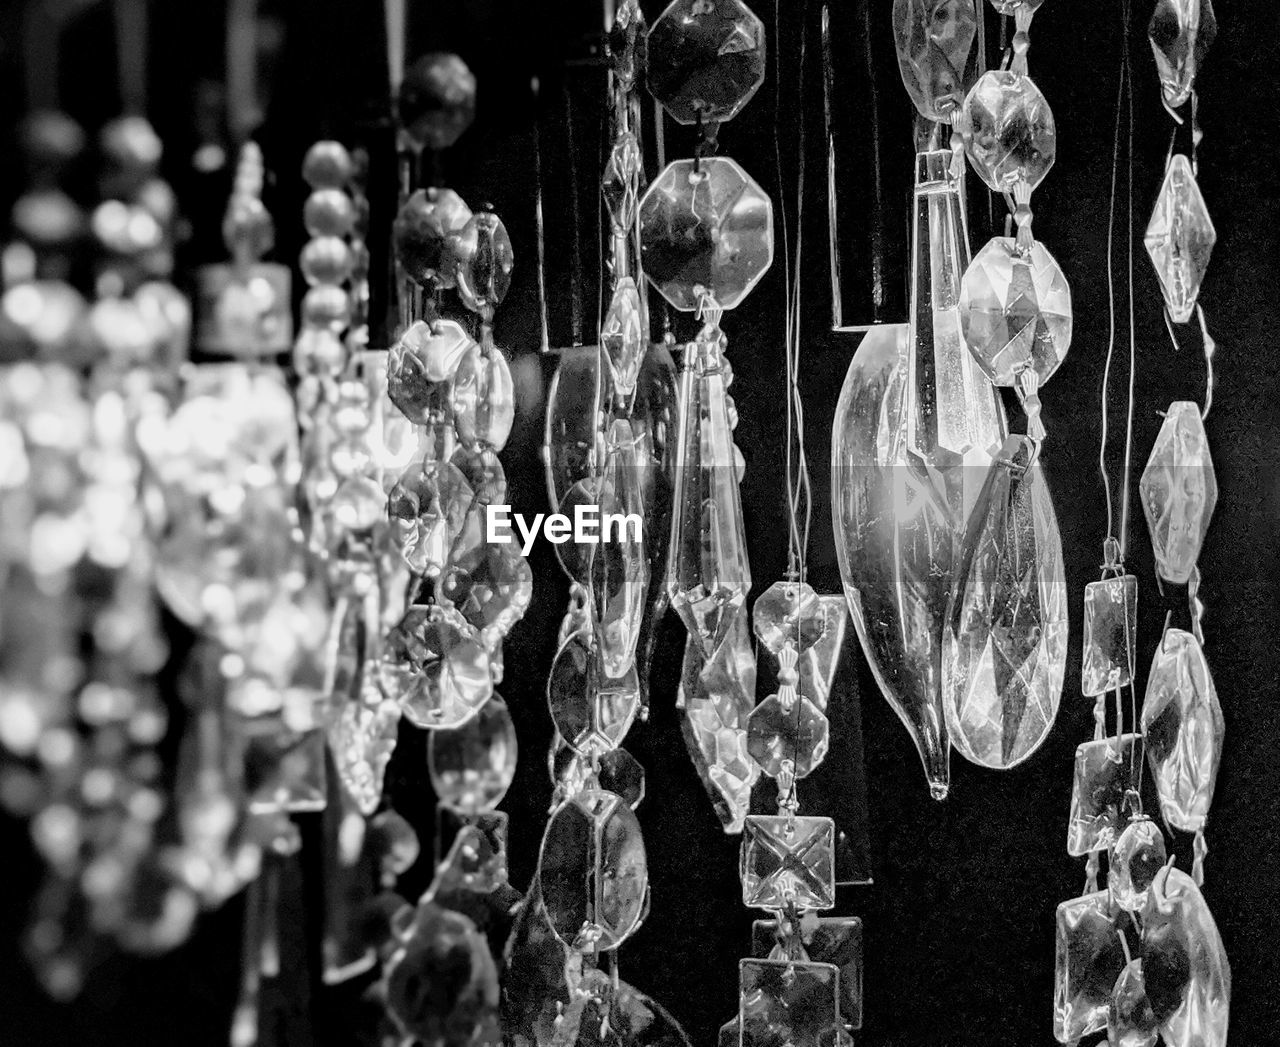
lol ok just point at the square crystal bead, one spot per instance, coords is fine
(1104, 772)
(1089, 957)
(788, 861)
(1110, 634)
(786, 1003)
(835, 940)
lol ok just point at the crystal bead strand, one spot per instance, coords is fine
(1178, 487)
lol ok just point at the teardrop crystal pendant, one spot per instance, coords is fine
(1184, 730)
(708, 575)
(1005, 646)
(1179, 491)
(916, 429)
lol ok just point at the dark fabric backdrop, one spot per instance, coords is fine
(959, 921)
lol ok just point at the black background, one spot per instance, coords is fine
(959, 921)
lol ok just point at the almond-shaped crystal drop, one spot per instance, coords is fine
(620, 566)
(622, 336)
(1179, 491)
(1180, 238)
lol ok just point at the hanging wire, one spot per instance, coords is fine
(535, 88)
(1128, 437)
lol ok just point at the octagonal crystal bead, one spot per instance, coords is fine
(1180, 238)
(428, 507)
(706, 230)
(436, 668)
(1179, 491)
(1181, 32)
(424, 357)
(933, 40)
(788, 861)
(1015, 310)
(484, 407)
(1008, 131)
(781, 732)
(704, 60)
(789, 612)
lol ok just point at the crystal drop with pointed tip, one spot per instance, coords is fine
(1179, 491)
(592, 711)
(788, 861)
(1181, 33)
(934, 39)
(1004, 649)
(1137, 856)
(782, 733)
(1183, 728)
(1089, 957)
(620, 567)
(622, 336)
(788, 1002)
(1105, 771)
(472, 767)
(436, 668)
(1008, 131)
(789, 612)
(1110, 634)
(1130, 1020)
(708, 573)
(593, 871)
(1180, 238)
(1015, 311)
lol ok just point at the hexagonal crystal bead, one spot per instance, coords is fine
(484, 406)
(622, 336)
(1089, 957)
(593, 871)
(792, 732)
(484, 262)
(706, 229)
(789, 612)
(1179, 491)
(1138, 855)
(1184, 730)
(1008, 131)
(704, 60)
(1104, 773)
(471, 767)
(933, 40)
(436, 668)
(1110, 634)
(791, 1002)
(1015, 311)
(1180, 238)
(1181, 32)
(591, 711)
(788, 861)
(1130, 1020)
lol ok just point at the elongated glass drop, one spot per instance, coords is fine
(620, 567)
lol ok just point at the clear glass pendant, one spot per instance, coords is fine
(1180, 238)
(1181, 33)
(1179, 491)
(1110, 634)
(1089, 957)
(1105, 773)
(1130, 1020)
(1008, 131)
(788, 1002)
(934, 39)
(620, 566)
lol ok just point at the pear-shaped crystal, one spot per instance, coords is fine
(1008, 131)
(1130, 1019)
(472, 767)
(1110, 634)
(789, 612)
(1181, 32)
(484, 404)
(436, 668)
(934, 39)
(1138, 855)
(1005, 646)
(1180, 238)
(1089, 957)
(1184, 730)
(620, 566)
(1015, 311)
(593, 871)
(1179, 491)
(622, 336)
(708, 574)
(1188, 978)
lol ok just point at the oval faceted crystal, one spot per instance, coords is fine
(484, 406)
(1183, 727)
(1180, 238)
(622, 335)
(934, 39)
(1179, 491)
(1005, 646)
(472, 767)
(591, 711)
(1008, 131)
(1015, 311)
(704, 60)
(593, 872)
(706, 230)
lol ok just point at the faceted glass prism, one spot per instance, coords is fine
(1181, 33)
(620, 183)
(789, 612)
(1179, 491)
(1185, 968)
(436, 668)
(593, 871)
(1130, 1020)
(1004, 649)
(706, 230)
(1089, 957)
(704, 61)
(472, 766)
(1008, 131)
(1184, 730)
(1105, 771)
(788, 861)
(934, 39)
(781, 733)
(1015, 311)
(1180, 238)
(591, 710)
(788, 1003)
(1138, 855)
(622, 336)
(1110, 634)
(836, 940)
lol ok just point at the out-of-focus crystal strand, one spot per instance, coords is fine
(1175, 983)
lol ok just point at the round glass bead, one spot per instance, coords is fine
(326, 306)
(48, 218)
(1008, 131)
(327, 165)
(318, 351)
(472, 767)
(326, 260)
(329, 212)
